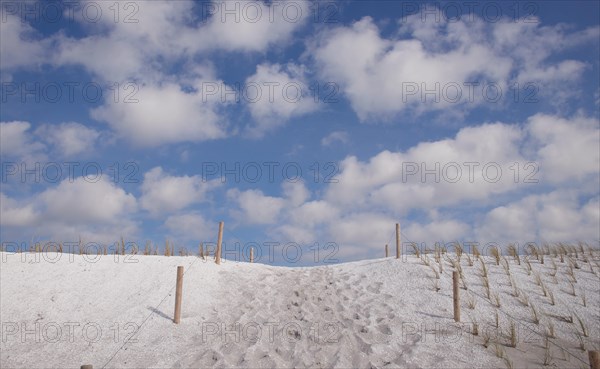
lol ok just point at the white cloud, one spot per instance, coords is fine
(163, 114)
(373, 71)
(14, 214)
(278, 93)
(293, 233)
(335, 136)
(361, 233)
(20, 44)
(384, 76)
(164, 31)
(439, 230)
(82, 201)
(69, 139)
(557, 216)
(295, 192)
(386, 180)
(190, 226)
(547, 149)
(567, 148)
(256, 207)
(314, 213)
(16, 141)
(541, 42)
(162, 193)
(96, 54)
(96, 211)
(250, 26)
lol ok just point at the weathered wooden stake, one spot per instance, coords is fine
(219, 240)
(594, 359)
(456, 296)
(178, 288)
(252, 254)
(201, 250)
(397, 240)
(387, 253)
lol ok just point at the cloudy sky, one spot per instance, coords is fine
(309, 128)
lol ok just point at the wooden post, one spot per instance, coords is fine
(397, 240)
(387, 253)
(87, 367)
(456, 296)
(594, 359)
(252, 254)
(219, 240)
(178, 288)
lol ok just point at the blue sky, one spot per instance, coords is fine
(499, 101)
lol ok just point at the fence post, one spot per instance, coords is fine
(219, 240)
(594, 357)
(178, 288)
(397, 240)
(456, 296)
(252, 254)
(387, 253)
(87, 367)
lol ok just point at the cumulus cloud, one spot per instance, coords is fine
(251, 26)
(256, 207)
(190, 226)
(546, 149)
(69, 139)
(163, 193)
(314, 213)
(558, 216)
(82, 201)
(97, 211)
(16, 141)
(379, 79)
(20, 44)
(163, 114)
(436, 231)
(15, 214)
(568, 148)
(296, 192)
(357, 235)
(66, 140)
(531, 44)
(282, 92)
(144, 37)
(384, 76)
(156, 32)
(433, 174)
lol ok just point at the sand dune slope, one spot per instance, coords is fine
(374, 313)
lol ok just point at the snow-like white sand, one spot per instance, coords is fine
(65, 310)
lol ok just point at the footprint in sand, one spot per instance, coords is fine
(385, 329)
(374, 288)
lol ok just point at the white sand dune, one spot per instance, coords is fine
(381, 313)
